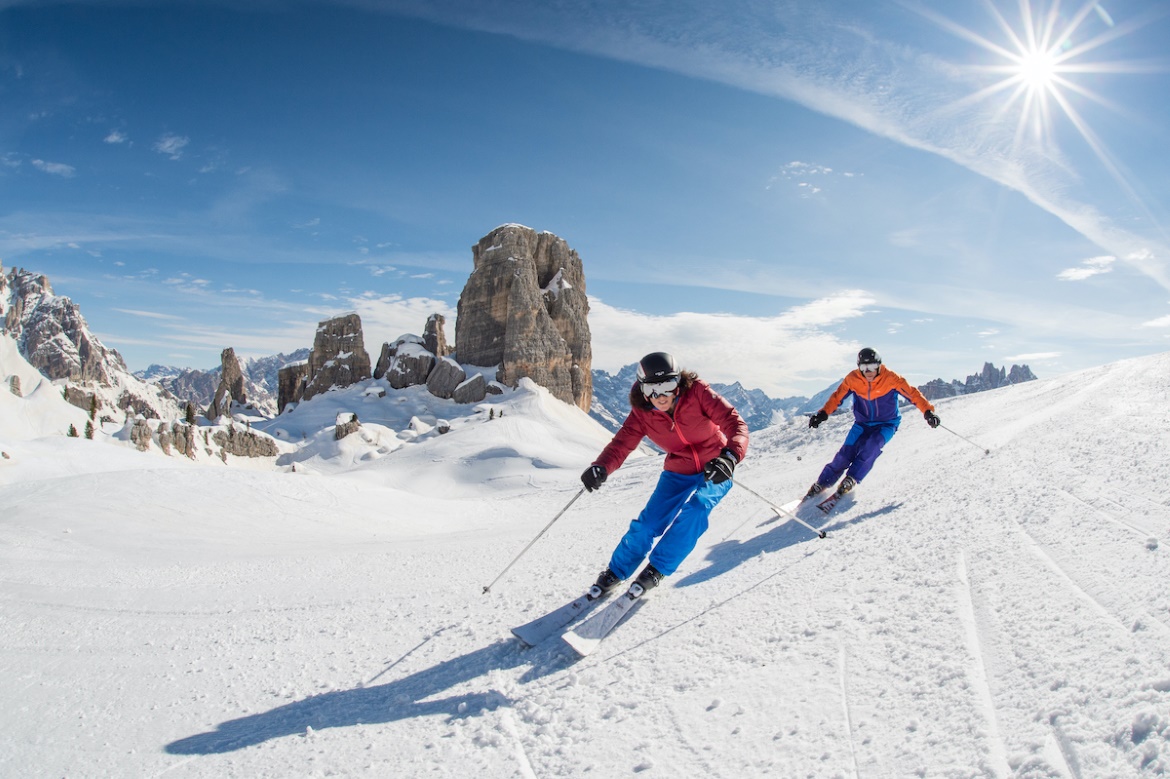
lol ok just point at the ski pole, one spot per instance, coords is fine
(580, 492)
(968, 440)
(778, 510)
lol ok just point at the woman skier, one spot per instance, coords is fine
(704, 438)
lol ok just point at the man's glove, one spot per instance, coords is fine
(721, 468)
(816, 419)
(594, 477)
(931, 418)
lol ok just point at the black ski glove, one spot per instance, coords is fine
(594, 477)
(721, 468)
(931, 418)
(816, 419)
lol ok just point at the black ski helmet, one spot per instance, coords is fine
(657, 366)
(868, 355)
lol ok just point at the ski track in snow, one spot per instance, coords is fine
(978, 672)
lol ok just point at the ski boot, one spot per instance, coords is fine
(648, 579)
(605, 583)
(847, 484)
(814, 490)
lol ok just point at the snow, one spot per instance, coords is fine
(968, 615)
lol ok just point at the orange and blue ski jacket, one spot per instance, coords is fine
(876, 402)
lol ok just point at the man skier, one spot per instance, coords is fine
(876, 416)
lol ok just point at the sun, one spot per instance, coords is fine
(1037, 70)
(1035, 63)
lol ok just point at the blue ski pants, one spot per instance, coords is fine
(677, 511)
(857, 455)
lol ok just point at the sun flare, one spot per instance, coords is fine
(1039, 61)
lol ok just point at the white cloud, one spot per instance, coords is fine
(803, 174)
(116, 136)
(55, 168)
(1032, 357)
(171, 145)
(1159, 322)
(1090, 267)
(386, 317)
(185, 282)
(794, 353)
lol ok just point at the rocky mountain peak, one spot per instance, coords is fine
(52, 335)
(338, 359)
(524, 309)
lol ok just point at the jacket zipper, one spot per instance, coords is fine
(678, 431)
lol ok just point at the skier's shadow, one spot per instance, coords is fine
(398, 700)
(728, 554)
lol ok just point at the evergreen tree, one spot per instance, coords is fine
(72, 433)
(89, 429)
(93, 407)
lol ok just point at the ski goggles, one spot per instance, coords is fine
(659, 389)
(868, 366)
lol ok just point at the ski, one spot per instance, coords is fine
(547, 625)
(790, 508)
(586, 637)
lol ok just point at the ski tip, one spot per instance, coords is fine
(524, 643)
(582, 646)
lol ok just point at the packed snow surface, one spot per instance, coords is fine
(970, 614)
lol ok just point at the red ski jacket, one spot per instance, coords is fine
(701, 426)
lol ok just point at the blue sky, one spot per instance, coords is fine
(759, 187)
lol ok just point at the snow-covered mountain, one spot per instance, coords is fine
(199, 386)
(969, 614)
(611, 400)
(49, 331)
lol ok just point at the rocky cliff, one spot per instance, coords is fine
(231, 386)
(524, 309)
(987, 379)
(338, 359)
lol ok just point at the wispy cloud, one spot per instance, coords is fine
(1093, 266)
(150, 314)
(116, 136)
(883, 85)
(55, 168)
(1159, 322)
(171, 145)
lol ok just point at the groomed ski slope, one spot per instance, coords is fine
(969, 615)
